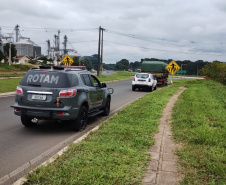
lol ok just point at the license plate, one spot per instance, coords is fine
(141, 81)
(38, 97)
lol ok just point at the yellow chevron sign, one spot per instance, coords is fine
(67, 60)
(173, 67)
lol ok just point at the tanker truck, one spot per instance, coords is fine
(158, 69)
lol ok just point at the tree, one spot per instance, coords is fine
(43, 58)
(1, 55)
(13, 50)
(76, 61)
(136, 65)
(122, 65)
(93, 60)
(216, 71)
(109, 66)
(87, 63)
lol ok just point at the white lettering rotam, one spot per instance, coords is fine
(42, 78)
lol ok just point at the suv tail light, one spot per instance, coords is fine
(134, 79)
(19, 90)
(68, 93)
(149, 80)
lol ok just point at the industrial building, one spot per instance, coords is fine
(24, 45)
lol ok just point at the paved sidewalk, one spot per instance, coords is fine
(162, 167)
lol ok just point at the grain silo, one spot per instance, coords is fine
(3, 43)
(36, 49)
(24, 47)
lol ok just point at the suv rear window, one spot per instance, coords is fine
(50, 79)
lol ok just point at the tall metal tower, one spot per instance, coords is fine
(17, 32)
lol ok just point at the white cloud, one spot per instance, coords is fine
(168, 29)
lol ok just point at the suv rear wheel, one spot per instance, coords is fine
(107, 107)
(28, 122)
(81, 122)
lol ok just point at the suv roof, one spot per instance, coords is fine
(57, 76)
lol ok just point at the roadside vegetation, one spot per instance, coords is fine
(215, 71)
(199, 124)
(12, 75)
(119, 75)
(14, 68)
(116, 153)
(10, 84)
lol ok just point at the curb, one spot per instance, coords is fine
(7, 94)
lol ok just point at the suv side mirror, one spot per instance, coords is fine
(103, 85)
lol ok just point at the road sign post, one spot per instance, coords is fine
(172, 67)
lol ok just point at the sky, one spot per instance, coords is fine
(133, 29)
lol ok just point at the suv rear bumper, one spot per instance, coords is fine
(65, 113)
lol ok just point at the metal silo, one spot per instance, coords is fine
(24, 47)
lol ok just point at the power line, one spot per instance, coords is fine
(165, 50)
(157, 41)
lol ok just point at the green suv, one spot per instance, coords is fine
(58, 93)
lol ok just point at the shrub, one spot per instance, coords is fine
(216, 71)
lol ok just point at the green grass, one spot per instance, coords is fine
(14, 67)
(9, 85)
(117, 152)
(118, 76)
(199, 123)
(6, 75)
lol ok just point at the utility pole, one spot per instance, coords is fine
(58, 47)
(100, 51)
(48, 46)
(9, 60)
(102, 42)
(65, 45)
(98, 66)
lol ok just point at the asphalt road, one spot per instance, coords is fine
(24, 148)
